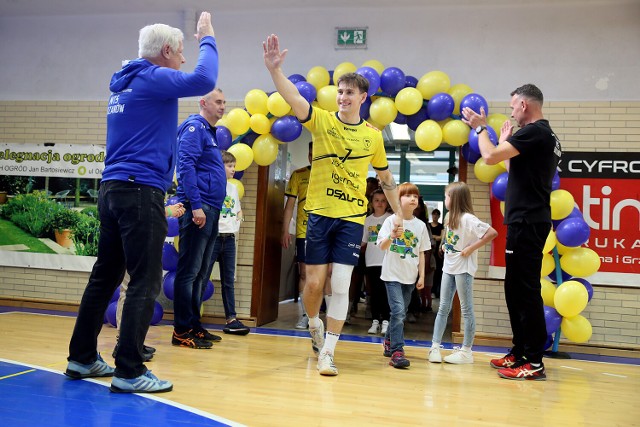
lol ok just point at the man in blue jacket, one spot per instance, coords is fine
(201, 188)
(142, 116)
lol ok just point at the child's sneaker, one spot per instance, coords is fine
(317, 338)
(385, 326)
(398, 360)
(203, 334)
(386, 348)
(375, 327)
(524, 371)
(97, 369)
(145, 383)
(459, 357)
(434, 355)
(326, 365)
(504, 362)
(189, 339)
(235, 327)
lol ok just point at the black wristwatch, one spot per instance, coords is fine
(479, 129)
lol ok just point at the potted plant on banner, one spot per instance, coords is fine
(62, 223)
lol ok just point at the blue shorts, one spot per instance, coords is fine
(300, 249)
(332, 240)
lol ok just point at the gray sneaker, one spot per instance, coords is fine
(97, 369)
(303, 323)
(317, 338)
(145, 383)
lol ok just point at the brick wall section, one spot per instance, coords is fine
(585, 126)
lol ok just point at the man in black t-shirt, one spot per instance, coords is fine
(532, 155)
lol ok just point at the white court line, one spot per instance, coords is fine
(571, 367)
(614, 375)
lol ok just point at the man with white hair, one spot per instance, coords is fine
(142, 118)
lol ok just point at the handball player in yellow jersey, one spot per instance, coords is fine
(343, 147)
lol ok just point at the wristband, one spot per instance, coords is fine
(168, 210)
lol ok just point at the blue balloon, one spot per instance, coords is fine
(573, 232)
(249, 138)
(173, 226)
(400, 119)
(111, 314)
(440, 106)
(295, 78)
(469, 153)
(414, 120)
(392, 80)
(331, 77)
(286, 128)
(499, 186)
(223, 137)
(208, 291)
(555, 184)
(307, 90)
(167, 284)
(552, 319)
(474, 101)
(364, 108)
(549, 342)
(169, 257)
(410, 81)
(115, 296)
(563, 275)
(575, 213)
(586, 285)
(372, 76)
(473, 138)
(172, 201)
(238, 175)
(158, 312)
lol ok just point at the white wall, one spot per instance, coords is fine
(573, 51)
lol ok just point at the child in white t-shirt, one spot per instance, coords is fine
(403, 263)
(464, 233)
(373, 257)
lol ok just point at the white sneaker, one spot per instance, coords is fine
(303, 323)
(326, 365)
(385, 326)
(317, 338)
(375, 327)
(434, 355)
(459, 357)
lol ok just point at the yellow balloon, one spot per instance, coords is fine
(176, 242)
(265, 150)
(256, 102)
(432, 83)
(577, 328)
(409, 100)
(580, 262)
(455, 133)
(562, 204)
(238, 185)
(375, 124)
(548, 290)
(562, 249)
(260, 123)
(486, 173)
(457, 92)
(243, 155)
(383, 111)
(496, 120)
(319, 77)
(428, 135)
(375, 64)
(238, 121)
(342, 69)
(550, 243)
(570, 298)
(502, 206)
(277, 105)
(548, 265)
(328, 98)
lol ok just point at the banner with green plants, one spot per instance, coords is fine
(53, 160)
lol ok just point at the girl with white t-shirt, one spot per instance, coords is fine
(464, 233)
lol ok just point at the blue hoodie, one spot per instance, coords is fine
(142, 116)
(201, 174)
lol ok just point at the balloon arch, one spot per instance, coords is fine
(431, 107)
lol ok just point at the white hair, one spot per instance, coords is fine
(154, 37)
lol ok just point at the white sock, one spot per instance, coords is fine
(314, 322)
(467, 349)
(435, 344)
(330, 342)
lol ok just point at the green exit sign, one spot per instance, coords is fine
(351, 38)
